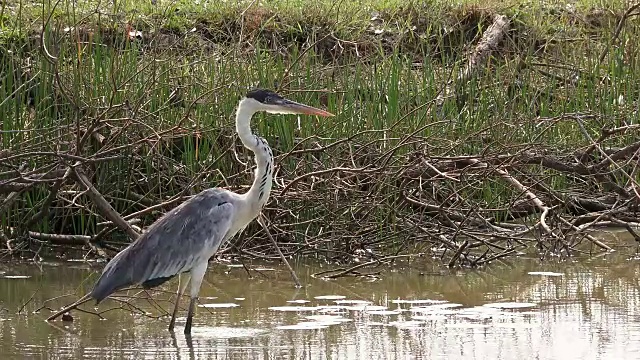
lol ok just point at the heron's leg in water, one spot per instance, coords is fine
(182, 285)
(197, 274)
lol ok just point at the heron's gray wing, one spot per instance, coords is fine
(182, 238)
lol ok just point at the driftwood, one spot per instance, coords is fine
(478, 57)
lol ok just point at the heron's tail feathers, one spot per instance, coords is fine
(107, 286)
(114, 277)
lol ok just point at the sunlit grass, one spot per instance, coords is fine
(373, 85)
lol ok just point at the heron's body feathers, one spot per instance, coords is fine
(184, 237)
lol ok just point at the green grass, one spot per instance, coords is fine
(333, 55)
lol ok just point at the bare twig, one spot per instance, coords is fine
(343, 272)
(627, 14)
(68, 308)
(262, 222)
(102, 204)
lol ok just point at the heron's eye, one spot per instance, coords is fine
(268, 100)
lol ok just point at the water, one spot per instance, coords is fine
(585, 309)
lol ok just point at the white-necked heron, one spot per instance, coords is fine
(185, 238)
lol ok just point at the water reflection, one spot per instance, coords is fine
(522, 310)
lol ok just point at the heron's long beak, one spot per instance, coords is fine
(297, 108)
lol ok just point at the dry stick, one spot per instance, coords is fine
(66, 309)
(107, 229)
(262, 222)
(296, 60)
(60, 238)
(536, 200)
(618, 155)
(71, 157)
(78, 302)
(616, 34)
(545, 209)
(444, 175)
(605, 134)
(622, 153)
(30, 299)
(68, 239)
(589, 237)
(356, 267)
(489, 41)
(11, 187)
(364, 169)
(496, 257)
(626, 225)
(103, 205)
(241, 37)
(53, 193)
(9, 200)
(458, 252)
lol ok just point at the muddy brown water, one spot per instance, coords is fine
(519, 309)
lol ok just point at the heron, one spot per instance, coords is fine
(182, 241)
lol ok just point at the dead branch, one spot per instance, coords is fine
(66, 309)
(534, 198)
(103, 205)
(627, 14)
(262, 222)
(478, 57)
(344, 272)
(490, 40)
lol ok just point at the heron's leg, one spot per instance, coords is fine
(181, 287)
(197, 274)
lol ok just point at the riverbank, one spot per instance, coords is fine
(463, 132)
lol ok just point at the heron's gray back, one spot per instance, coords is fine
(179, 240)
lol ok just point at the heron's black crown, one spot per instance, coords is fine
(263, 95)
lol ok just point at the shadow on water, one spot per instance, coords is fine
(524, 309)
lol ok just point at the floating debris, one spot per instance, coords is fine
(335, 309)
(328, 318)
(466, 326)
(544, 273)
(479, 313)
(226, 332)
(438, 308)
(377, 323)
(366, 308)
(407, 324)
(510, 305)
(299, 301)
(418, 301)
(66, 317)
(429, 317)
(307, 325)
(295, 308)
(16, 276)
(330, 297)
(353, 302)
(383, 312)
(239, 298)
(219, 305)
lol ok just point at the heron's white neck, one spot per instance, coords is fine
(259, 192)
